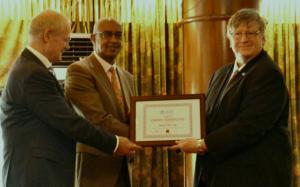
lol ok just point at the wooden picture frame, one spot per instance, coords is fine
(161, 120)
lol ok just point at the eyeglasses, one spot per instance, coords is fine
(239, 35)
(110, 34)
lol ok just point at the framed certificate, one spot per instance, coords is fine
(160, 120)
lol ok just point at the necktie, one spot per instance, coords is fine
(51, 70)
(233, 76)
(117, 89)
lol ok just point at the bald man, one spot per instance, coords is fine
(39, 128)
(90, 86)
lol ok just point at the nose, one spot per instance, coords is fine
(114, 38)
(244, 37)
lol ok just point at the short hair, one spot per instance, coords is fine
(98, 23)
(48, 19)
(246, 15)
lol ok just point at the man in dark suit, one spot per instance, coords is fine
(89, 86)
(247, 142)
(39, 128)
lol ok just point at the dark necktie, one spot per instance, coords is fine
(233, 76)
(51, 70)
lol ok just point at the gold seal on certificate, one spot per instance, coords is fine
(160, 120)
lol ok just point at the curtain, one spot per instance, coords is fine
(283, 44)
(152, 52)
(12, 40)
(15, 16)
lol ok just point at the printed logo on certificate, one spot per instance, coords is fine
(160, 120)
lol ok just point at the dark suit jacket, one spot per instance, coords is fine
(247, 136)
(40, 129)
(88, 88)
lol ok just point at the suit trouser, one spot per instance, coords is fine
(88, 168)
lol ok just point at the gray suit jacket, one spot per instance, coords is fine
(89, 89)
(40, 128)
(247, 135)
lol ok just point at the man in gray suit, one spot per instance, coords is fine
(39, 128)
(247, 108)
(90, 87)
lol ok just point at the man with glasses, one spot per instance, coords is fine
(247, 107)
(101, 91)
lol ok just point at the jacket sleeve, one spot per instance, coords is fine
(46, 101)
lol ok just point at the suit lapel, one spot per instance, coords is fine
(97, 69)
(241, 75)
(26, 53)
(125, 87)
(228, 86)
(237, 79)
(221, 86)
(101, 77)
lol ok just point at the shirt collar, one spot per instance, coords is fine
(40, 56)
(237, 68)
(106, 66)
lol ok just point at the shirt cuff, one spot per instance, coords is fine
(201, 145)
(117, 144)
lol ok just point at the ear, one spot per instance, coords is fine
(231, 41)
(46, 35)
(93, 38)
(264, 39)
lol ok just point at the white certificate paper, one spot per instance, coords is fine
(167, 120)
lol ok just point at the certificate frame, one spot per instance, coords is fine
(161, 120)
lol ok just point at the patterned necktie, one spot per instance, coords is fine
(117, 89)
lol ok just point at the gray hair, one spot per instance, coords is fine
(98, 23)
(48, 19)
(246, 15)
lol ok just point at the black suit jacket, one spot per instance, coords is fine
(40, 128)
(247, 135)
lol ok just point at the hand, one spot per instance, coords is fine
(190, 145)
(126, 147)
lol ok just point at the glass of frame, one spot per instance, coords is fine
(161, 120)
